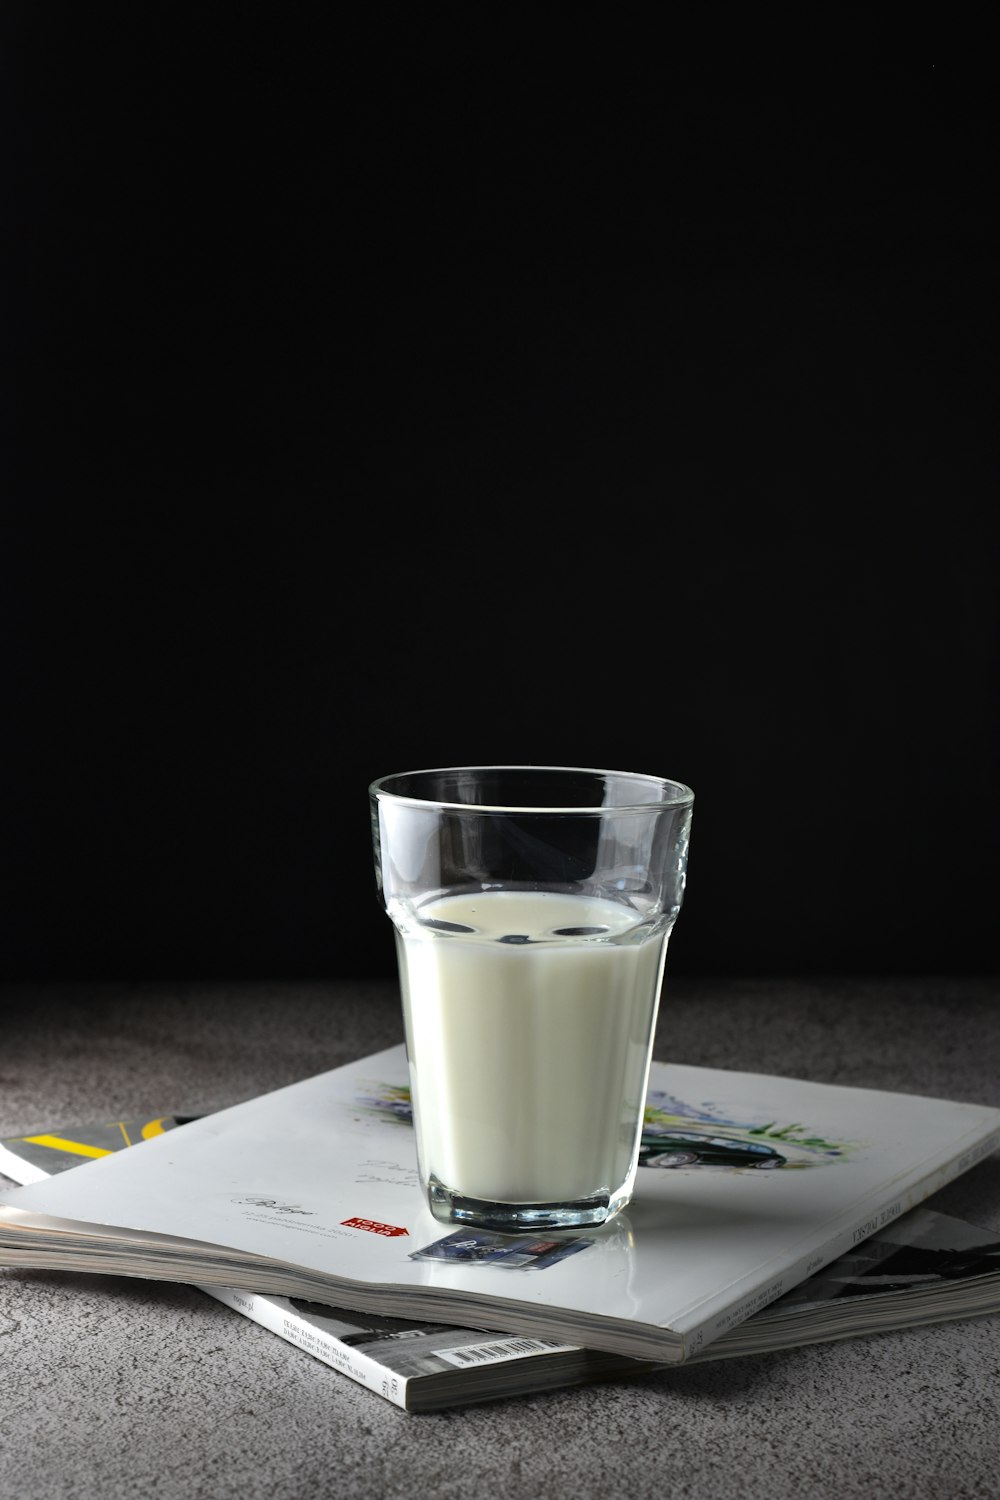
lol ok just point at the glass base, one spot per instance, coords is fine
(511, 1218)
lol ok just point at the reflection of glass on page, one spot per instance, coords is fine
(491, 1247)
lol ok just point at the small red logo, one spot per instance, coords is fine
(374, 1227)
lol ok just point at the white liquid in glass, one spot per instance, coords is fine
(529, 1020)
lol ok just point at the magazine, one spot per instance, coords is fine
(748, 1184)
(926, 1267)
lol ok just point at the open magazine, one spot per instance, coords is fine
(926, 1267)
(749, 1185)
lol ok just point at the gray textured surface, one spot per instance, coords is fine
(111, 1388)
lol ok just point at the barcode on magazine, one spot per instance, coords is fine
(499, 1349)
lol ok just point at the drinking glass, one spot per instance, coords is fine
(532, 906)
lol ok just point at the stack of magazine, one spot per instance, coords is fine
(769, 1212)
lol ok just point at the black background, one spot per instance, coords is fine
(517, 386)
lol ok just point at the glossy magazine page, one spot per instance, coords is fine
(749, 1184)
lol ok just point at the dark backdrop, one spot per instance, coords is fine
(462, 386)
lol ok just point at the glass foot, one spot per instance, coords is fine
(455, 1208)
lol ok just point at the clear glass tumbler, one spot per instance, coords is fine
(532, 906)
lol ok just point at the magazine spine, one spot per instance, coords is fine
(873, 1218)
(323, 1345)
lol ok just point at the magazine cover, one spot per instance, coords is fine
(925, 1267)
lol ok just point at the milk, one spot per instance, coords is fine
(529, 1018)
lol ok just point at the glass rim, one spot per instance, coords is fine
(684, 796)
